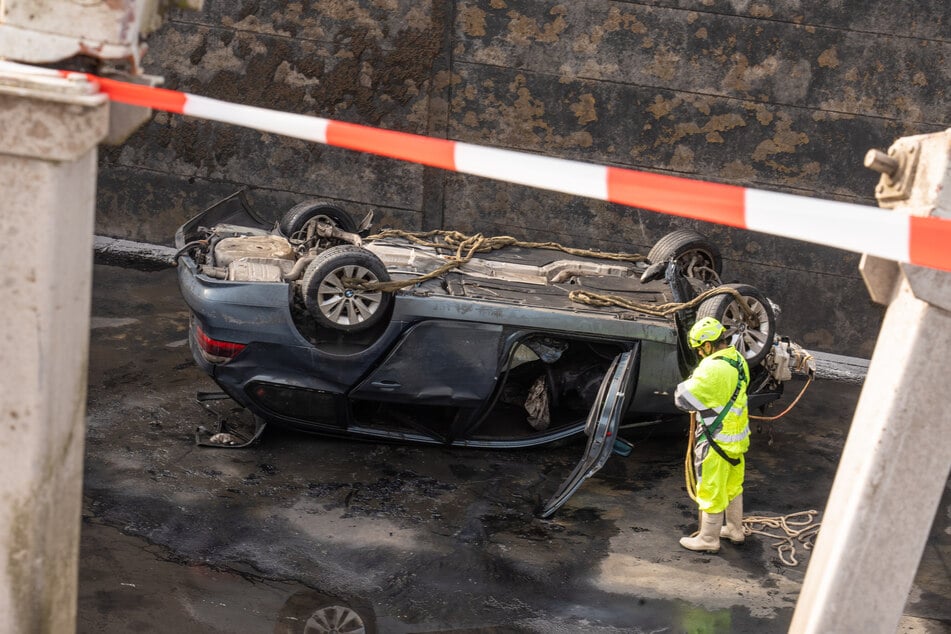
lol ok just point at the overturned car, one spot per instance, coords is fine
(440, 338)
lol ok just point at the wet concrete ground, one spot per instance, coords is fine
(416, 539)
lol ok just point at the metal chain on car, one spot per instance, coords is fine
(467, 246)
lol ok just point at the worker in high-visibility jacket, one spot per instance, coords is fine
(716, 390)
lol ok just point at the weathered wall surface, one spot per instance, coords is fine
(785, 96)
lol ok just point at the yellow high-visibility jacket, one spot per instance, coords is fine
(708, 389)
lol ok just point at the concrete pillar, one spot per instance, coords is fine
(898, 453)
(48, 137)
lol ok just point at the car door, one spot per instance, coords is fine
(438, 363)
(601, 427)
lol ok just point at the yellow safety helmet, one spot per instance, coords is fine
(706, 329)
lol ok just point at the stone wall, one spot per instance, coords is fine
(785, 96)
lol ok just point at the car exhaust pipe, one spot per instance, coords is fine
(299, 267)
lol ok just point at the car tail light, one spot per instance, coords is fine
(216, 350)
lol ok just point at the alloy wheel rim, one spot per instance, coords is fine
(343, 304)
(334, 619)
(748, 334)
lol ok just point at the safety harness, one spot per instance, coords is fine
(718, 423)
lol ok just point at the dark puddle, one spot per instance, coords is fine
(130, 585)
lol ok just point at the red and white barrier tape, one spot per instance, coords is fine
(892, 235)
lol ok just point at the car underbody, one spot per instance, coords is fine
(441, 338)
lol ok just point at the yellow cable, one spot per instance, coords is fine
(690, 475)
(788, 409)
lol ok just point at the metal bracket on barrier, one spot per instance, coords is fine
(898, 172)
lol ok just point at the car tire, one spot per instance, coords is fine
(694, 252)
(299, 215)
(752, 336)
(323, 613)
(336, 617)
(331, 303)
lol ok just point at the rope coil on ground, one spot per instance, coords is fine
(800, 528)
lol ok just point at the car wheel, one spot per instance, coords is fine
(697, 256)
(751, 335)
(323, 613)
(332, 619)
(328, 293)
(299, 215)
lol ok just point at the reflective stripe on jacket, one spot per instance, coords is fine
(708, 389)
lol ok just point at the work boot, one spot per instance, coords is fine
(733, 526)
(708, 539)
